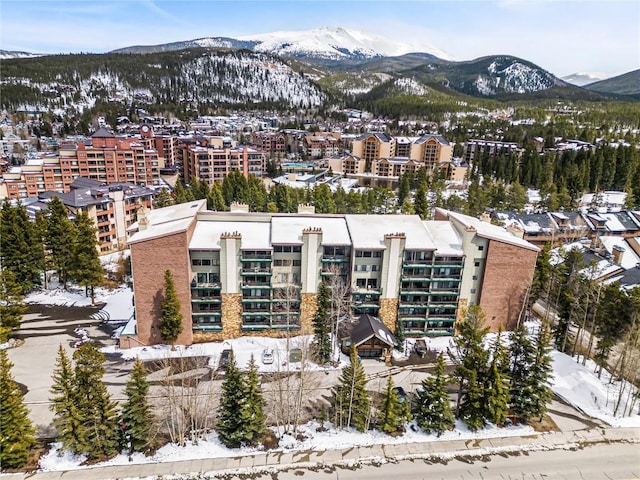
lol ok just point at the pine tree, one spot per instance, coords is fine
(421, 203)
(163, 198)
(469, 355)
(433, 409)
(391, 412)
(522, 387)
(252, 415)
(85, 267)
(21, 251)
(135, 418)
(472, 408)
(496, 389)
(542, 372)
(321, 328)
(17, 434)
(68, 420)
(94, 403)
(230, 422)
(170, 316)
(12, 306)
(60, 238)
(350, 399)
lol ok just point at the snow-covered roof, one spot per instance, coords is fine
(445, 237)
(368, 231)
(629, 259)
(255, 235)
(489, 231)
(166, 221)
(288, 229)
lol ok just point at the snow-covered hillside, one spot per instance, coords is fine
(8, 54)
(234, 78)
(508, 75)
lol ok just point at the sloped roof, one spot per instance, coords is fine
(368, 327)
(438, 138)
(103, 133)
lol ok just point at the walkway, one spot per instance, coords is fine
(264, 461)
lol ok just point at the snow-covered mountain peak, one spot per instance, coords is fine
(335, 43)
(584, 78)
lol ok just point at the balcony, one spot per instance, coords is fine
(335, 259)
(253, 257)
(256, 271)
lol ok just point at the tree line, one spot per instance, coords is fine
(31, 249)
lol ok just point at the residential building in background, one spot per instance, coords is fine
(113, 207)
(212, 163)
(239, 273)
(107, 159)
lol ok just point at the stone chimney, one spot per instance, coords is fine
(143, 218)
(618, 252)
(306, 208)
(239, 207)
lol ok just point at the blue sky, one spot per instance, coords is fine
(561, 36)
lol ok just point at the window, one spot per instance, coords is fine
(475, 277)
(196, 262)
(473, 290)
(476, 264)
(481, 248)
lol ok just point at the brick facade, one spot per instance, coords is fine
(507, 275)
(149, 260)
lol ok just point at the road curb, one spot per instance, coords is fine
(264, 462)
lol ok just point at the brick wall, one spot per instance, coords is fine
(508, 271)
(149, 260)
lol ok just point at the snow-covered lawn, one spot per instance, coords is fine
(576, 384)
(311, 440)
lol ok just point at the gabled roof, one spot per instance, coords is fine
(383, 137)
(103, 133)
(368, 327)
(438, 138)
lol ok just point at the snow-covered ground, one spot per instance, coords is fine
(576, 384)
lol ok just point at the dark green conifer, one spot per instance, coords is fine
(12, 306)
(135, 418)
(60, 238)
(17, 434)
(230, 422)
(94, 403)
(170, 316)
(321, 328)
(252, 415)
(350, 400)
(68, 420)
(391, 412)
(433, 410)
(85, 267)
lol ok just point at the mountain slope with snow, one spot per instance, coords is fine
(328, 44)
(8, 54)
(582, 79)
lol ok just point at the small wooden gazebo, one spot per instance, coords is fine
(370, 337)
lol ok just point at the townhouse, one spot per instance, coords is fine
(239, 273)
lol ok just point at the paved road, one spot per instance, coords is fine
(602, 461)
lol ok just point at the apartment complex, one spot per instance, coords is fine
(107, 159)
(240, 273)
(112, 207)
(321, 145)
(476, 149)
(212, 163)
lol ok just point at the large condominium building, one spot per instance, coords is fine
(240, 273)
(321, 145)
(475, 149)
(212, 164)
(113, 207)
(428, 151)
(107, 159)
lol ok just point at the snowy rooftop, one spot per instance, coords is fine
(255, 235)
(368, 231)
(629, 258)
(492, 232)
(288, 229)
(445, 237)
(167, 220)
